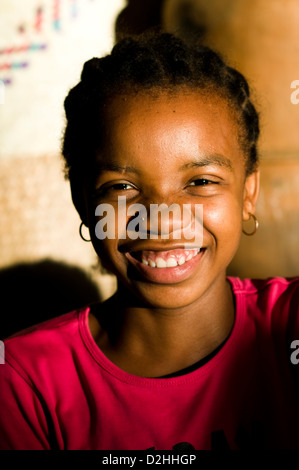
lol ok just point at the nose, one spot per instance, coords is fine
(165, 220)
(175, 221)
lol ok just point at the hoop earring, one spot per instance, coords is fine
(80, 231)
(256, 225)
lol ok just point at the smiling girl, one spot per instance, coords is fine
(181, 357)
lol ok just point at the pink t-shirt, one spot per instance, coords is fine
(59, 391)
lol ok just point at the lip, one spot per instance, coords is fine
(171, 275)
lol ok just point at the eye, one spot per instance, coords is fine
(112, 190)
(203, 186)
(115, 187)
(202, 182)
(121, 187)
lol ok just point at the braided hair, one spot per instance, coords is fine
(161, 61)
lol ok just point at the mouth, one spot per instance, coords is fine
(165, 259)
(165, 267)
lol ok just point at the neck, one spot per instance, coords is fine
(154, 341)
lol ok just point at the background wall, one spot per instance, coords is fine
(43, 46)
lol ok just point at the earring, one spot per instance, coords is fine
(256, 225)
(80, 231)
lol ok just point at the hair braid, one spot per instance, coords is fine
(249, 123)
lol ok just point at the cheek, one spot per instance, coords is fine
(104, 250)
(223, 220)
(110, 221)
(107, 226)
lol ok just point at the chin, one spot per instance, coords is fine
(164, 296)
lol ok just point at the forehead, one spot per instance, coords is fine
(177, 122)
(189, 102)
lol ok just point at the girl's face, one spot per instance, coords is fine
(184, 149)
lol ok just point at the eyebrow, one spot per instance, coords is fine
(218, 160)
(112, 166)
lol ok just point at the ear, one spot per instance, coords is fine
(250, 194)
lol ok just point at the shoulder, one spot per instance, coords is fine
(275, 285)
(47, 342)
(275, 294)
(33, 377)
(54, 327)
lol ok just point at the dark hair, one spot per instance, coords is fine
(162, 61)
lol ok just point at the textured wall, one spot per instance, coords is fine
(31, 120)
(43, 46)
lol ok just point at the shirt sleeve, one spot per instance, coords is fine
(23, 423)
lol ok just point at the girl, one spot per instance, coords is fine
(181, 357)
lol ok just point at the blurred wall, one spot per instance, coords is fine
(261, 39)
(43, 45)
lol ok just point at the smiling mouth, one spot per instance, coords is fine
(165, 259)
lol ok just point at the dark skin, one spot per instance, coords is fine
(181, 148)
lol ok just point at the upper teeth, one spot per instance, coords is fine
(170, 262)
